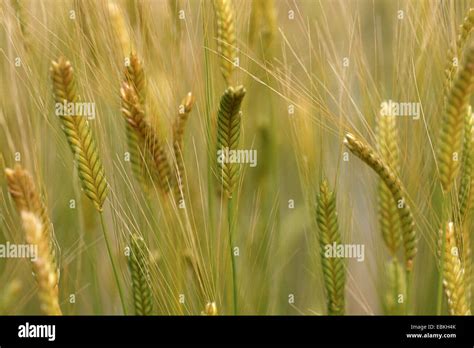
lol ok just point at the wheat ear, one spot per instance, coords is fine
(134, 114)
(178, 137)
(27, 199)
(79, 135)
(333, 267)
(450, 137)
(135, 77)
(387, 135)
(466, 195)
(454, 281)
(228, 135)
(139, 264)
(395, 287)
(367, 154)
(454, 53)
(210, 309)
(43, 266)
(225, 37)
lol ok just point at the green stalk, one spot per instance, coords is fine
(107, 243)
(230, 218)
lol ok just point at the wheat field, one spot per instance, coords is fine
(236, 157)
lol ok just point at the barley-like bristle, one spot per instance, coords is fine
(450, 137)
(79, 135)
(333, 267)
(43, 266)
(139, 264)
(225, 37)
(454, 280)
(367, 154)
(135, 117)
(228, 135)
(178, 138)
(388, 212)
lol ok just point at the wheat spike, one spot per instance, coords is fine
(210, 309)
(43, 266)
(366, 154)
(135, 117)
(27, 199)
(225, 37)
(120, 27)
(466, 195)
(387, 135)
(228, 134)
(178, 137)
(139, 264)
(262, 21)
(9, 296)
(395, 286)
(135, 77)
(450, 137)
(79, 135)
(463, 34)
(333, 267)
(454, 281)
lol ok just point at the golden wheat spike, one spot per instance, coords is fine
(135, 116)
(22, 189)
(225, 37)
(178, 138)
(454, 279)
(43, 265)
(79, 135)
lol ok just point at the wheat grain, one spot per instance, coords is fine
(79, 135)
(450, 137)
(466, 188)
(366, 154)
(333, 267)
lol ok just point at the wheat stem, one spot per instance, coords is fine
(109, 251)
